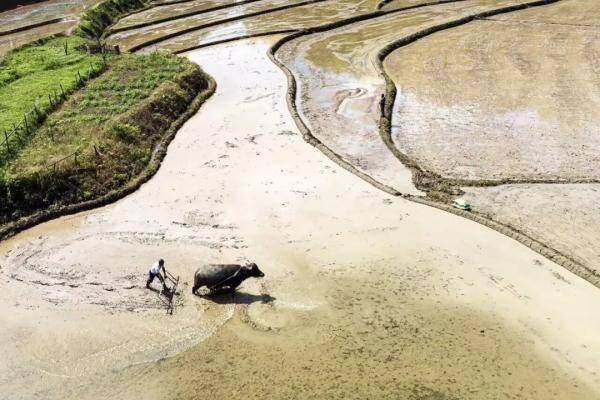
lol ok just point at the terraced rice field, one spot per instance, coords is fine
(26, 24)
(298, 164)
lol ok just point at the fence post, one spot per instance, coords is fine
(6, 141)
(26, 125)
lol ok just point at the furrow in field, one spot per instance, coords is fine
(525, 108)
(516, 98)
(134, 40)
(29, 23)
(168, 12)
(291, 19)
(340, 84)
(356, 280)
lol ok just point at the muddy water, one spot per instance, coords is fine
(340, 86)
(526, 106)
(291, 19)
(36, 13)
(128, 39)
(565, 12)
(43, 11)
(564, 216)
(14, 40)
(364, 295)
(514, 97)
(294, 18)
(158, 13)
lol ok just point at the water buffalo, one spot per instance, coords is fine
(219, 276)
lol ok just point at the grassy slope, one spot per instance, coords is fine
(88, 118)
(28, 74)
(113, 122)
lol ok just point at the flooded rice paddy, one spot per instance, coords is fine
(35, 21)
(511, 100)
(366, 295)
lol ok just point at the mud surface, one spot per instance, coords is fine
(340, 85)
(175, 11)
(35, 14)
(364, 296)
(137, 37)
(524, 107)
(565, 216)
(9, 42)
(289, 19)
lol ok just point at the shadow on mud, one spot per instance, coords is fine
(239, 298)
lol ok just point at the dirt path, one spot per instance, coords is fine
(403, 298)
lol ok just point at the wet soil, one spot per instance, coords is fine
(43, 11)
(365, 295)
(15, 40)
(525, 107)
(39, 13)
(355, 348)
(565, 216)
(129, 39)
(173, 11)
(289, 19)
(340, 84)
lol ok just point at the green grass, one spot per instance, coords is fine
(95, 20)
(88, 117)
(30, 73)
(112, 121)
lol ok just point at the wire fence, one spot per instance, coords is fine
(12, 140)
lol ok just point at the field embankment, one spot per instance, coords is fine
(33, 21)
(79, 127)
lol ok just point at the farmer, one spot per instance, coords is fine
(155, 272)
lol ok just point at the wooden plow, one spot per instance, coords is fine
(170, 293)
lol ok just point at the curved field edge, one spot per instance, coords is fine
(318, 28)
(101, 17)
(31, 26)
(158, 154)
(550, 253)
(430, 181)
(168, 36)
(176, 17)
